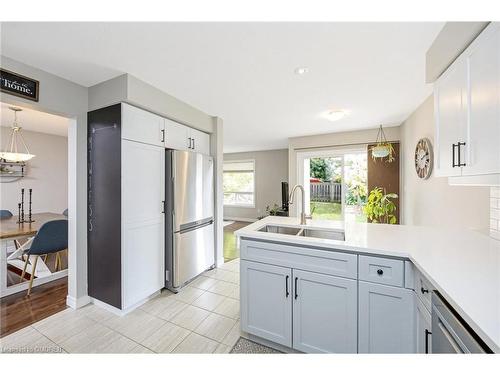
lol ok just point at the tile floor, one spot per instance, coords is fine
(202, 318)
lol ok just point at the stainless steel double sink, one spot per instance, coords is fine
(328, 234)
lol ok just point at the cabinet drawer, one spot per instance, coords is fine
(381, 270)
(304, 258)
(423, 289)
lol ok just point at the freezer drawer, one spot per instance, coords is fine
(193, 253)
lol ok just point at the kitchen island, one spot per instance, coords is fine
(373, 260)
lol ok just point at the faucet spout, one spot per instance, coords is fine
(292, 195)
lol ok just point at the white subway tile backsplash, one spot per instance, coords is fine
(494, 203)
(495, 192)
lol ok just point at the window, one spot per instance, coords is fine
(239, 183)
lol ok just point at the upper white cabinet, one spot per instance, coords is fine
(450, 109)
(484, 105)
(142, 126)
(181, 137)
(386, 319)
(467, 110)
(324, 313)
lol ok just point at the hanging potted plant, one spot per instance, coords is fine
(382, 148)
(380, 208)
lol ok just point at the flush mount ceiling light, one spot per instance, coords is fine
(382, 148)
(11, 152)
(334, 115)
(301, 70)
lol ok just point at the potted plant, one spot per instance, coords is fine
(380, 208)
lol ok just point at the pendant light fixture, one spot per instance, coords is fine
(382, 148)
(13, 151)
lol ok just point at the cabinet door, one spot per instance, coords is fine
(324, 313)
(143, 248)
(423, 328)
(200, 141)
(386, 319)
(142, 126)
(176, 135)
(484, 99)
(451, 118)
(266, 301)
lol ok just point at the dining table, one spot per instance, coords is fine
(11, 230)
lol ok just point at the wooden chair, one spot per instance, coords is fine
(51, 238)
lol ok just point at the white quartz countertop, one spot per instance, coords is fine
(464, 266)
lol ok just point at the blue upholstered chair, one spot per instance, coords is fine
(52, 237)
(5, 214)
(65, 212)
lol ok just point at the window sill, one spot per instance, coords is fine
(239, 206)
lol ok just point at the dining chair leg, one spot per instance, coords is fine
(32, 274)
(25, 265)
(58, 261)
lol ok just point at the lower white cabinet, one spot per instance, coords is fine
(324, 313)
(423, 328)
(386, 319)
(266, 301)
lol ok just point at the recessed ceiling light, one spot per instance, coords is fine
(334, 115)
(301, 70)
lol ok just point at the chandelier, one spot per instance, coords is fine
(13, 150)
(382, 148)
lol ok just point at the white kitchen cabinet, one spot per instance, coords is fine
(141, 126)
(266, 301)
(176, 135)
(143, 249)
(483, 60)
(324, 313)
(386, 319)
(450, 110)
(200, 142)
(423, 328)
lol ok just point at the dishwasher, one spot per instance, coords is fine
(450, 334)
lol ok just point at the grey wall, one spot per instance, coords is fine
(46, 174)
(434, 202)
(271, 168)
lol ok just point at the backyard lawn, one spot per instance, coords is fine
(333, 211)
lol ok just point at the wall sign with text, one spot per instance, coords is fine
(18, 85)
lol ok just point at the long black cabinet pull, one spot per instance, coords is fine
(459, 145)
(427, 334)
(194, 144)
(295, 287)
(286, 285)
(453, 165)
(163, 135)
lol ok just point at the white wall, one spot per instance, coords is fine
(434, 202)
(46, 174)
(271, 168)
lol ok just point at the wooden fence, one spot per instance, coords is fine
(326, 192)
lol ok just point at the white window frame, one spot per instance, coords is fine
(254, 183)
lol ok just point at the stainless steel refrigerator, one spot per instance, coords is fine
(189, 216)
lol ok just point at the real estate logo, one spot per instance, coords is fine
(18, 85)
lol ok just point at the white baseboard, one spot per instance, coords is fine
(76, 303)
(123, 312)
(244, 219)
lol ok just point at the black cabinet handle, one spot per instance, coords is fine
(459, 145)
(286, 286)
(453, 165)
(295, 288)
(189, 143)
(163, 135)
(427, 334)
(380, 272)
(194, 144)
(163, 207)
(423, 290)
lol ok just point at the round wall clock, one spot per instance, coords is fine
(423, 158)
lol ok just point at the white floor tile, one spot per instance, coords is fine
(215, 327)
(224, 288)
(229, 307)
(203, 282)
(165, 339)
(60, 328)
(190, 317)
(233, 335)
(89, 340)
(137, 325)
(223, 349)
(28, 340)
(188, 294)
(195, 343)
(208, 301)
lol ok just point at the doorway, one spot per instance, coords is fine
(335, 183)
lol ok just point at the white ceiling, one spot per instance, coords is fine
(35, 121)
(244, 72)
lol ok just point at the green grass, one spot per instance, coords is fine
(332, 211)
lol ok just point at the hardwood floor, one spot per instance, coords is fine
(230, 246)
(18, 310)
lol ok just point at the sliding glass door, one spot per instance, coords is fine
(335, 182)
